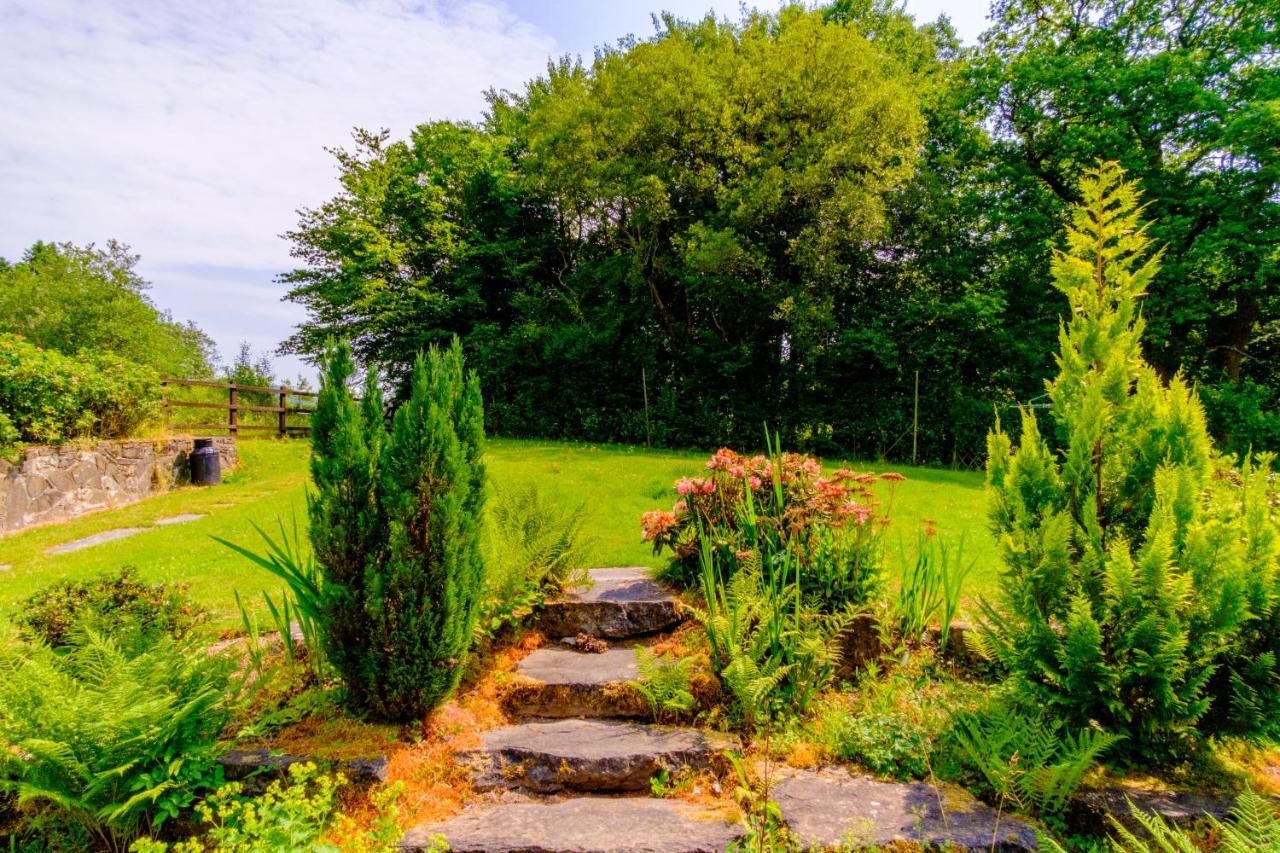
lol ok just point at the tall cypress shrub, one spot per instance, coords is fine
(1129, 575)
(395, 527)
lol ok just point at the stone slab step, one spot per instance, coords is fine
(833, 808)
(580, 825)
(95, 539)
(559, 682)
(620, 603)
(587, 755)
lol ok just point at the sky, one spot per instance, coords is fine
(195, 131)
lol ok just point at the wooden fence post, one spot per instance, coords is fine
(233, 422)
(284, 402)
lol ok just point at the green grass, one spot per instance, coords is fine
(616, 484)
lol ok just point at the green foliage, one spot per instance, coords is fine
(1123, 584)
(396, 531)
(115, 742)
(762, 821)
(117, 605)
(1182, 96)
(1027, 760)
(929, 588)
(774, 652)
(692, 205)
(48, 397)
(888, 744)
(1254, 826)
(89, 300)
(794, 216)
(893, 722)
(297, 814)
(300, 603)
(666, 683)
(536, 548)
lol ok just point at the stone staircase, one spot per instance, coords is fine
(573, 775)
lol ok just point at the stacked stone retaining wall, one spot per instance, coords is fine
(51, 484)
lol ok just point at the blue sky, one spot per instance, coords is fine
(193, 132)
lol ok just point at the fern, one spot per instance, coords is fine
(117, 743)
(773, 651)
(1026, 759)
(1254, 828)
(665, 683)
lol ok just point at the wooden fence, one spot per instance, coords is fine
(233, 407)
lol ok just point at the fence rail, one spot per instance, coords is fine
(233, 407)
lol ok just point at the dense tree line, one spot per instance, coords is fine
(785, 218)
(87, 299)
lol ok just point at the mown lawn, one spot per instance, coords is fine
(615, 483)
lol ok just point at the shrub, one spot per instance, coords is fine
(1126, 584)
(773, 651)
(113, 742)
(48, 397)
(396, 531)
(832, 526)
(113, 604)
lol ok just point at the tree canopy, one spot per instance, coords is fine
(787, 218)
(72, 299)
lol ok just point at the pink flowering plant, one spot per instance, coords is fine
(754, 508)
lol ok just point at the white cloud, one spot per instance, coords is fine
(193, 131)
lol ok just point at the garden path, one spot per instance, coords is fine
(573, 775)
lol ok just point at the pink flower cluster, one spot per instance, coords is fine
(695, 486)
(657, 523)
(807, 498)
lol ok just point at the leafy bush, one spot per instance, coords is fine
(114, 742)
(773, 651)
(111, 604)
(832, 526)
(1127, 584)
(887, 743)
(894, 722)
(48, 397)
(396, 531)
(1025, 759)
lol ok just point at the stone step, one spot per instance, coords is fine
(587, 755)
(620, 603)
(559, 682)
(834, 808)
(580, 825)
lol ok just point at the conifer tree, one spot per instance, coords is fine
(395, 527)
(1126, 582)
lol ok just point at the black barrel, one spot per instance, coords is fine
(206, 467)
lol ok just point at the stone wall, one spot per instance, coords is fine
(50, 484)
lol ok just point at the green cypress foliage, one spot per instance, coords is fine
(1127, 584)
(395, 526)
